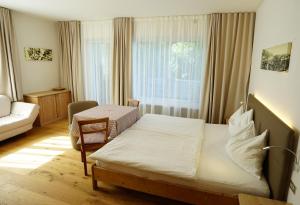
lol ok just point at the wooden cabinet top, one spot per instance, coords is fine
(45, 93)
(246, 199)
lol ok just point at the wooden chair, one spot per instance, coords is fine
(133, 103)
(92, 140)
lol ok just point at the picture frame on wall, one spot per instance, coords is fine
(38, 54)
(277, 58)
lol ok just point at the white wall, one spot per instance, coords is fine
(277, 22)
(32, 31)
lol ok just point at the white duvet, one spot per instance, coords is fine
(163, 144)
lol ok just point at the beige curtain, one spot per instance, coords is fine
(71, 76)
(121, 87)
(228, 65)
(10, 74)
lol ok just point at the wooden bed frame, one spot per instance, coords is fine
(160, 188)
(277, 167)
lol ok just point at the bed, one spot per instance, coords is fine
(169, 160)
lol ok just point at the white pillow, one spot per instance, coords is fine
(245, 149)
(236, 114)
(5, 105)
(239, 123)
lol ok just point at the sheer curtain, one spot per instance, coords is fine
(168, 64)
(97, 44)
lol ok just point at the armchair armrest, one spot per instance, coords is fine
(29, 110)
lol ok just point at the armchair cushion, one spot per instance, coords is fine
(5, 105)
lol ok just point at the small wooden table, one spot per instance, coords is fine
(245, 199)
(120, 118)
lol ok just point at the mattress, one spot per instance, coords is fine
(215, 170)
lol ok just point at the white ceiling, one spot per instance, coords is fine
(99, 9)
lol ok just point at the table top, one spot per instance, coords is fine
(114, 112)
(245, 199)
(120, 118)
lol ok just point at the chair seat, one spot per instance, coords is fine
(92, 138)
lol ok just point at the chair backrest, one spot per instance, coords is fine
(5, 106)
(133, 103)
(101, 124)
(77, 107)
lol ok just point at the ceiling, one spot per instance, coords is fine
(99, 9)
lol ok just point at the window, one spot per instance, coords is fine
(168, 63)
(175, 83)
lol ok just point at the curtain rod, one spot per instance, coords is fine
(146, 17)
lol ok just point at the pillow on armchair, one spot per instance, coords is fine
(5, 106)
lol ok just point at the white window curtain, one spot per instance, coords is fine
(168, 62)
(97, 43)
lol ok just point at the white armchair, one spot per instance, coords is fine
(16, 117)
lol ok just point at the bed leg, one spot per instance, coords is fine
(95, 186)
(94, 182)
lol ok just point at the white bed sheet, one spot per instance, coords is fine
(215, 173)
(177, 126)
(158, 143)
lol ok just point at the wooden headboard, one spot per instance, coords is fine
(278, 164)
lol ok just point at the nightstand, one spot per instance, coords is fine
(245, 199)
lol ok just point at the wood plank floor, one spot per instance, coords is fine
(41, 167)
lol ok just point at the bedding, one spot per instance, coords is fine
(239, 123)
(245, 149)
(236, 114)
(213, 170)
(176, 126)
(157, 143)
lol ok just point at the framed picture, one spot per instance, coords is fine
(277, 58)
(38, 54)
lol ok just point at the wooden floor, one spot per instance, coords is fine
(41, 167)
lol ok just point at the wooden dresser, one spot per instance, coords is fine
(53, 105)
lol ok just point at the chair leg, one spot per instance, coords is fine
(85, 169)
(84, 163)
(81, 154)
